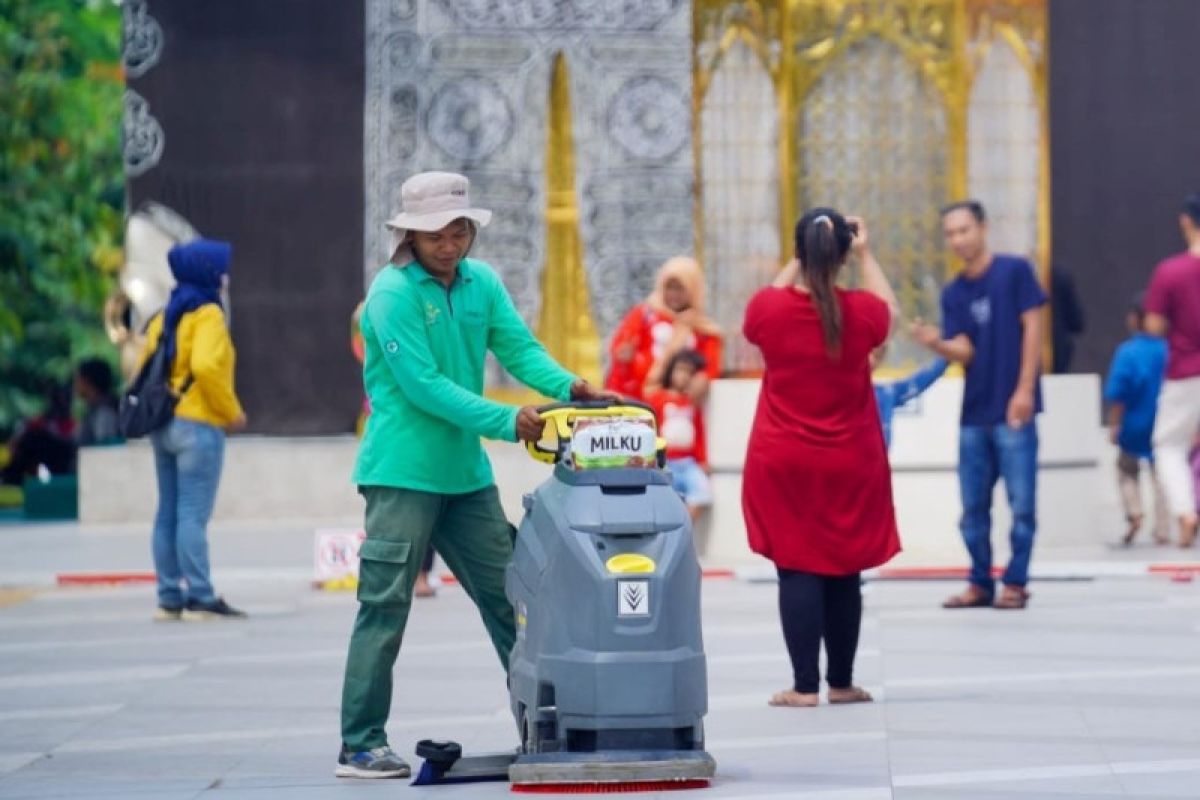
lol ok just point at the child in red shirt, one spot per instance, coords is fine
(679, 408)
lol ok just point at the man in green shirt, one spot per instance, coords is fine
(430, 317)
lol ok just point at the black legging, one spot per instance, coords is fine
(815, 607)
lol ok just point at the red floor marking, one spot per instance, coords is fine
(103, 578)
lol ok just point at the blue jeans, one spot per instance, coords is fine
(187, 460)
(984, 455)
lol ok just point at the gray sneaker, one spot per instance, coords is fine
(379, 762)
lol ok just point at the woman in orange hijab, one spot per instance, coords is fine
(670, 320)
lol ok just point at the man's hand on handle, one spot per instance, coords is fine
(529, 424)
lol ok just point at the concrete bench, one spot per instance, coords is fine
(307, 479)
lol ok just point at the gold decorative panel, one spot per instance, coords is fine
(881, 115)
(565, 323)
(1007, 43)
(1004, 137)
(740, 170)
(873, 142)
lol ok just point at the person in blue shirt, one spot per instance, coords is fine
(1131, 391)
(992, 324)
(891, 395)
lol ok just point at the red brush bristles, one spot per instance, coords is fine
(609, 788)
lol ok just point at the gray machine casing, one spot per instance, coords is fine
(584, 678)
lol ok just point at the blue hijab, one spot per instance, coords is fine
(198, 267)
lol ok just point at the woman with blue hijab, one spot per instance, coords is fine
(189, 451)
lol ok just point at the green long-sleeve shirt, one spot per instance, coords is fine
(425, 349)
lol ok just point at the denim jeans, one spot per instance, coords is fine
(187, 460)
(690, 481)
(985, 454)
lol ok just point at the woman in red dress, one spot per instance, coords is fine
(817, 493)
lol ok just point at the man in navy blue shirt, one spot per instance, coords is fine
(992, 325)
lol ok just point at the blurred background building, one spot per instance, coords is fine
(610, 135)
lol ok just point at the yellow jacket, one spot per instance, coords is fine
(204, 350)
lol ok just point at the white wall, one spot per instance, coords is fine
(1075, 485)
(267, 478)
(263, 478)
(309, 478)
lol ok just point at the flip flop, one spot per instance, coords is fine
(857, 694)
(1012, 598)
(793, 699)
(971, 598)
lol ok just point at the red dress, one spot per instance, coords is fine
(817, 490)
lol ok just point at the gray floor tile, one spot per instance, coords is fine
(1090, 693)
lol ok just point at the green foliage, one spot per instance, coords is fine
(62, 183)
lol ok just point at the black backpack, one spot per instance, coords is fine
(149, 403)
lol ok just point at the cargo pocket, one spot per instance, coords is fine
(382, 572)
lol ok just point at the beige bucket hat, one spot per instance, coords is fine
(429, 202)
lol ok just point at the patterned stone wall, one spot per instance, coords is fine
(464, 85)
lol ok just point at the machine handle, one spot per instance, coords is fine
(560, 415)
(595, 405)
(546, 456)
(439, 752)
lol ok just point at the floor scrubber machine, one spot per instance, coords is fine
(607, 679)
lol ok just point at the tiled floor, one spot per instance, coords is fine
(1094, 691)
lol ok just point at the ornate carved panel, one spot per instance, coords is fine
(463, 85)
(1004, 132)
(876, 96)
(873, 141)
(740, 170)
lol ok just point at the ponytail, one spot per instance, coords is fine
(822, 240)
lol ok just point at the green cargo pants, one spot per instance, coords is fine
(473, 537)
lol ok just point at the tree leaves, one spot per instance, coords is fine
(62, 181)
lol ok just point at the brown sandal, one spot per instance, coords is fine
(1013, 597)
(972, 597)
(790, 698)
(853, 694)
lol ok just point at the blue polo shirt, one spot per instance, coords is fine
(988, 310)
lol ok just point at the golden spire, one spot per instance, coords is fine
(565, 324)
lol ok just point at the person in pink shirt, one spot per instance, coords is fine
(1173, 312)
